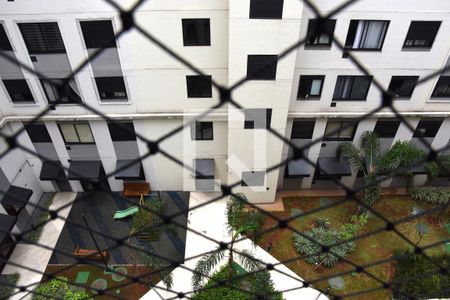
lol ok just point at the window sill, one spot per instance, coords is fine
(115, 102)
(317, 47)
(308, 99)
(362, 50)
(439, 100)
(348, 100)
(30, 104)
(416, 49)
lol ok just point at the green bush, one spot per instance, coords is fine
(322, 234)
(416, 277)
(350, 229)
(60, 288)
(8, 287)
(431, 194)
(256, 283)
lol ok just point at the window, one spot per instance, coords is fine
(442, 89)
(262, 67)
(38, 133)
(204, 168)
(352, 87)
(366, 34)
(340, 130)
(98, 34)
(320, 35)
(253, 178)
(199, 86)
(111, 88)
(76, 133)
(202, 131)
(18, 90)
(257, 118)
(4, 42)
(121, 132)
(386, 128)
(302, 129)
(55, 91)
(266, 9)
(196, 32)
(42, 38)
(310, 87)
(421, 34)
(427, 128)
(403, 86)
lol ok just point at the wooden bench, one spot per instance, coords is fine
(92, 254)
(135, 189)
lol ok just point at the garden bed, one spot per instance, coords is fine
(370, 249)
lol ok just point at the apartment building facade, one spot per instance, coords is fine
(302, 95)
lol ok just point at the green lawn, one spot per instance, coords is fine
(375, 247)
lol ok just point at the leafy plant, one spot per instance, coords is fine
(241, 222)
(350, 229)
(258, 283)
(60, 288)
(419, 278)
(319, 236)
(439, 167)
(164, 267)
(431, 194)
(7, 288)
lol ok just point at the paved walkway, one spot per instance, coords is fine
(35, 257)
(210, 220)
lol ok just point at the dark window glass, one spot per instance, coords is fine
(18, 90)
(302, 129)
(403, 86)
(366, 34)
(340, 130)
(386, 128)
(199, 86)
(442, 89)
(38, 133)
(196, 32)
(421, 34)
(111, 88)
(98, 34)
(253, 178)
(121, 132)
(427, 128)
(262, 67)
(310, 87)
(56, 91)
(257, 118)
(352, 87)
(266, 9)
(204, 168)
(42, 38)
(203, 131)
(4, 42)
(320, 34)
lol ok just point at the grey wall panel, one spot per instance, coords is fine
(106, 64)
(83, 152)
(52, 65)
(385, 144)
(47, 150)
(330, 149)
(126, 150)
(9, 70)
(421, 145)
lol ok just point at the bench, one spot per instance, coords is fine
(135, 189)
(92, 254)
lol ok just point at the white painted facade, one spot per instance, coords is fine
(157, 93)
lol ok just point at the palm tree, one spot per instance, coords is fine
(365, 159)
(369, 159)
(245, 223)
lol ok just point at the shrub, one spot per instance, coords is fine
(431, 194)
(350, 229)
(322, 234)
(60, 288)
(416, 277)
(256, 283)
(8, 287)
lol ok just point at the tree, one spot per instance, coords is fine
(60, 288)
(369, 159)
(242, 223)
(439, 167)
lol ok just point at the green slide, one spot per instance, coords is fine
(120, 214)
